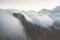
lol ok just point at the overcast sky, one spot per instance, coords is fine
(29, 4)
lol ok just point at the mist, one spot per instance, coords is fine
(11, 27)
(42, 20)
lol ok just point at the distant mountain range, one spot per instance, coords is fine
(54, 14)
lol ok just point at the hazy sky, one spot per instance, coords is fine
(29, 4)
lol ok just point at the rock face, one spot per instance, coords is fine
(32, 31)
(36, 33)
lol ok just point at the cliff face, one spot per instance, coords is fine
(32, 31)
(9, 23)
(37, 33)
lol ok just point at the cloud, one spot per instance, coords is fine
(10, 26)
(41, 20)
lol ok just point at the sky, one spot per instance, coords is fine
(35, 5)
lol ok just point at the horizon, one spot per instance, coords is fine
(35, 5)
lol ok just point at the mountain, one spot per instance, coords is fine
(44, 10)
(35, 24)
(36, 33)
